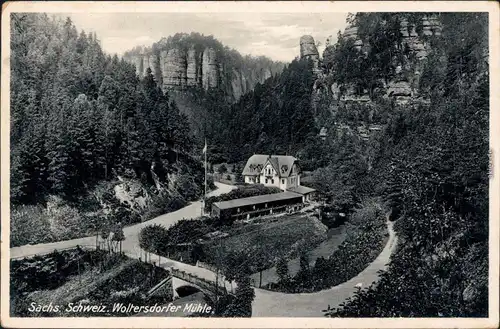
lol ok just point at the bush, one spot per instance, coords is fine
(222, 169)
(162, 204)
(29, 225)
(187, 187)
(187, 231)
(179, 240)
(152, 237)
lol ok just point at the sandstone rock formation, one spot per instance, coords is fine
(175, 69)
(351, 32)
(192, 68)
(187, 63)
(308, 47)
(402, 87)
(308, 50)
(210, 69)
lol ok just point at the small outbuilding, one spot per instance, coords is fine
(308, 194)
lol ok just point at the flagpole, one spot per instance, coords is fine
(205, 196)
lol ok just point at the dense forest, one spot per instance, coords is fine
(431, 166)
(275, 117)
(81, 118)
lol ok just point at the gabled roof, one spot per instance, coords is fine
(281, 163)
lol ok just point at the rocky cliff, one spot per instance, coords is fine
(412, 45)
(193, 60)
(376, 59)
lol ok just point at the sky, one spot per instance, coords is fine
(275, 35)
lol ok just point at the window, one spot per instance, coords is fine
(266, 180)
(282, 181)
(272, 181)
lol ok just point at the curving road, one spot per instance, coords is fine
(266, 303)
(277, 304)
(131, 243)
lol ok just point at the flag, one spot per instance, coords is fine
(205, 147)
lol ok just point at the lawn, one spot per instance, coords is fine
(274, 238)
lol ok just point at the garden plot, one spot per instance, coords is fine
(264, 243)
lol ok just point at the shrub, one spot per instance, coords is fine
(187, 187)
(186, 231)
(222, 169)
(152, 237)
(29, 225)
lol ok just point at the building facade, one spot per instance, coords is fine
(281, 171)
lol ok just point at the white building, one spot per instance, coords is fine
(281, 171)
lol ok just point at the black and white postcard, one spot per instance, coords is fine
(250, 164)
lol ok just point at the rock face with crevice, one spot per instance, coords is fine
(211, 69)
(175, 69)
(195, 61)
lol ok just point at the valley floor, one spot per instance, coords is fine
(266, 303)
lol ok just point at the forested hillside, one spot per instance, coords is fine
(85, 131)
(275, 117)
(430, 164)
